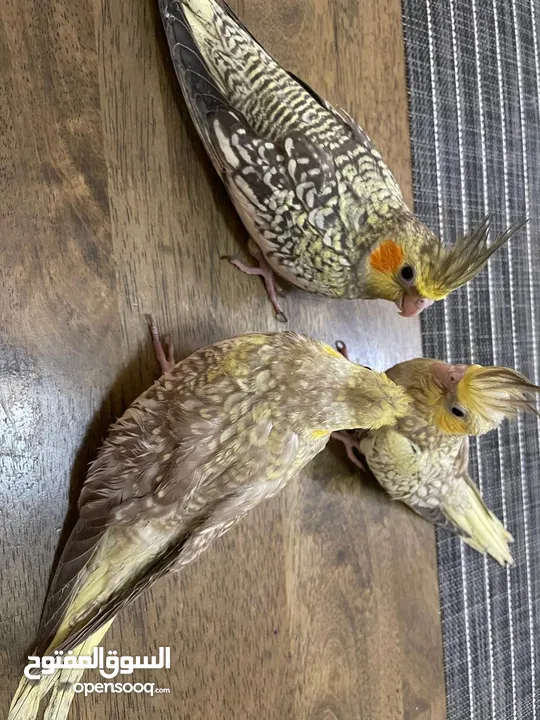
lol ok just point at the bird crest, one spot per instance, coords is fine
(495, 393)
(455, 266)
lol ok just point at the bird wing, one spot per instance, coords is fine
(286, 192)
(167, 481)
(477, 525)
(218, 61)
(407, 474)
(305, 205)
(303, 175)
(220, 65)
(427, 472)
(438, 487)
(220, 518)
(359, 148)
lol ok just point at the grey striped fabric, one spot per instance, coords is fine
(474, 79)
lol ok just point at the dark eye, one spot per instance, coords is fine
(458, 412)
(407, 273)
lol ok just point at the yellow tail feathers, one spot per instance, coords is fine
(481, 529)
(27, 700)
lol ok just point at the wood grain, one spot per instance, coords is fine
(323, 604)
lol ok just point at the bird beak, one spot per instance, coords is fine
(448, 376)
(410, 306)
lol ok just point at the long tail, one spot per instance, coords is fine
(201, 91)
(480, 528)
(219, 64)
(27, 700)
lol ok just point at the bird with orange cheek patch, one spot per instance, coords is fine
(412, 268)
(423, 459)
(323, 210)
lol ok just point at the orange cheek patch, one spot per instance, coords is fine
(388, 257)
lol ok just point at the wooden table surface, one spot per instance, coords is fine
(323, 603)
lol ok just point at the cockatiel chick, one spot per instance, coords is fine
(217, 434)
(423, 459)
(322, 209)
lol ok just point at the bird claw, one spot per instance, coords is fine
(342, 349)
(166, 361)
(352, 446)
(264, 270)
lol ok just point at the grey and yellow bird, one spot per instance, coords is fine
(322, 209)
(217, 434)
(423, 459)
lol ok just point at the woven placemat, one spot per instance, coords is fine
(474, 81)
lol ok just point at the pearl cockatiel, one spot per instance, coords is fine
(217, 434)
(322, 209)
(423, 459)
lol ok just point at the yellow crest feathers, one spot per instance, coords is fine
(458, 264)
(496, 392)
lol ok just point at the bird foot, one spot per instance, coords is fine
(342, 348)
(264, 270)
(166, 361)
(352, 446)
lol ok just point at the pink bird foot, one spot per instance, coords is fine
(264, 270)
(352, 446)
(166, 361)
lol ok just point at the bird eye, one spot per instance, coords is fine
(407, 273)
(458, 412)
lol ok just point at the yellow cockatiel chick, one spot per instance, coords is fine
(423, 459)
(217, 434)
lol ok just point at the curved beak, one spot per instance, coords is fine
(411, 306)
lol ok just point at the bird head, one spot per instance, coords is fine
(413, 269)
(465, 399)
